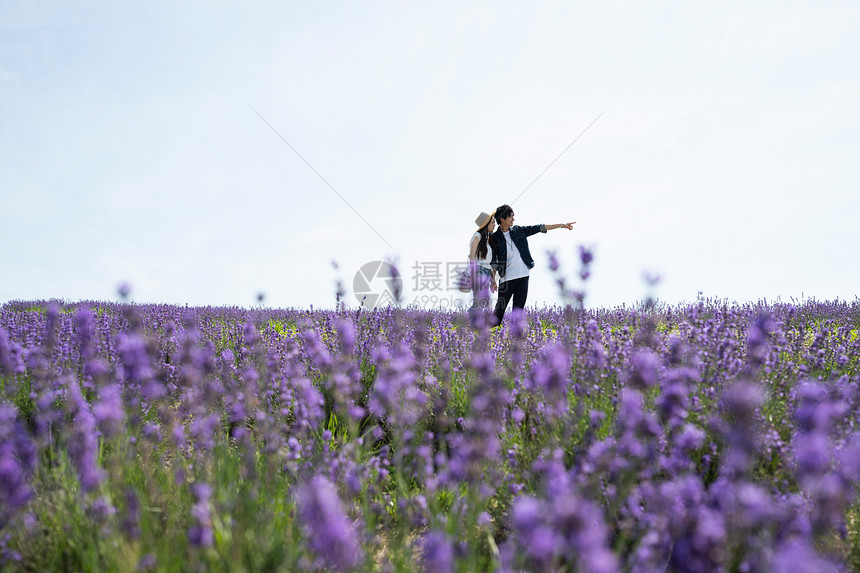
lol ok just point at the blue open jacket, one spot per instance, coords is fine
(519, 236)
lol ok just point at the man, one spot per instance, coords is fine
(512, 259)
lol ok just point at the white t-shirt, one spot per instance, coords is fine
(485, 262)
(516, 267)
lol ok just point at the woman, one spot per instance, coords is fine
(480, 256)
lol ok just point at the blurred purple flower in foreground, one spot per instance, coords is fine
(200, 533)
(329, 531)
(17, 463)
(437, 553)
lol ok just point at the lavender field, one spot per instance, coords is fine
(700, 437)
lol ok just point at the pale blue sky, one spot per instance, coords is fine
(727, 161)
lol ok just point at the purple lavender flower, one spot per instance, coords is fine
(585, 255)
(17, 464)
(652, 279)
(816, 410)
(528, 519)
(201, 534)
(202, 429)
(584, 534)
(797, 556)
(147, 562)
(6, 366)
(812, 454)
(674, 396)
(757, 340)
(566, 528)
(742, 401)
(346, 331)
(329, 531)
(131, 515)
(108, 411)
(134, 358)
(437, 554)
(101, 509)
(644, 367)
(11, 355)
(553, 261)
(83, 440)
(395, 395)
(849, 459)
(551, 375)
(449, 401)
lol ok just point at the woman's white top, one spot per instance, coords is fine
(485, 262)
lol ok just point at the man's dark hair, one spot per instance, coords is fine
(503, 212)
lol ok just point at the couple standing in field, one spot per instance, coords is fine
(505, 253)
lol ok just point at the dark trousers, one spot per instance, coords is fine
(518, 289)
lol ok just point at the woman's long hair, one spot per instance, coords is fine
(481, 251)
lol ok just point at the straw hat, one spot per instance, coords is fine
(483, 219)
